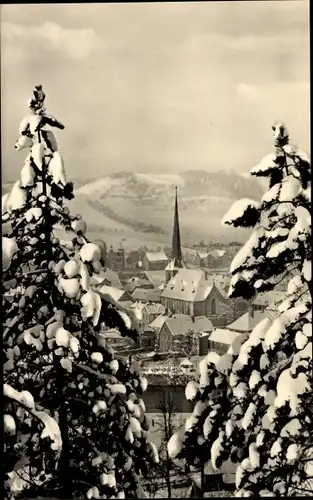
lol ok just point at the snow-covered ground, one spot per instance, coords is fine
(156, 425)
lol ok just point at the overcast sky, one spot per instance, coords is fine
(160, 87)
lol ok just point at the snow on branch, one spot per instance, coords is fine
(26, 400)
(243, 212)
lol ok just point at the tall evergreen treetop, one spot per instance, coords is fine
(253, 406)
(52, 334)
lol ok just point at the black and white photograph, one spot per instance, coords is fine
(156, 250)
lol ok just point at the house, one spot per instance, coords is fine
(154, 261)
(143, 295)
(135, 282)
(150, 312)
(247, 322)
(115, 338)
(200, 259)
(148, 338)
(176, 331)
(116, 294)
(221, 339)
(267, 300)
(106, 277)
(217, 258)
(116, 260)
(157, 278)
(157, 323)
(193, 292)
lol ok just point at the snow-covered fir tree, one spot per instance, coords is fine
(254, 405)
(55, 355)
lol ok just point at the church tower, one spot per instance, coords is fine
(176, 261)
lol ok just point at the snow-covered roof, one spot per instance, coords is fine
(172, 265)
(115, 293)
(203, 255)
(106, 275)
(247, 321)
(217, 253)
(146, 295)
(182, 324)
(190, 285)
(154, 308)
(156, 277)
(158, 322)
(223, 336)
(156, 256)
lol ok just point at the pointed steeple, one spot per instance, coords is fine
(176, 261)
(176, 245)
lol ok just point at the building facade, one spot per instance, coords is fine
(116, 260)
(154, 261)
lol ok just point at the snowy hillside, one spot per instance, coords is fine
(140, 205)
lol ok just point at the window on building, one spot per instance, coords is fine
(213, 306)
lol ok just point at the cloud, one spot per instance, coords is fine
(19, 41)
(248, 91)
(139, 85)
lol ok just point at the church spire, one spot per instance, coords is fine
(176, 245)
(176, 261)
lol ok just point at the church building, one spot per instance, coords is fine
(190, 291)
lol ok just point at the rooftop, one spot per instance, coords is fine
(223, 336)
(154, 308)
(115, 293)
(182, 324)
(247, 321)
(190, 285)
(156, 256)
(146, 295)
(106, 275)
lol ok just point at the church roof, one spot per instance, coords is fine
(190, 285)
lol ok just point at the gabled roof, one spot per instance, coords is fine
(247, 321)
(106, 275)
(182, 324)
(223, 336)
(146, 295)
(115, 293)
(156, 256)
(190, 285)
(137, 283)
(154, 308)
(156, 277)
(158, 322)
(202, 255)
